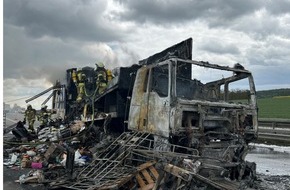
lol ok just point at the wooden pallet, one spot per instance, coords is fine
(147, 177)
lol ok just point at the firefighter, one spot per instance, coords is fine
(30, 115)
(109, 75)
(43, 117)
(101, 78)
(74, 76)
(80, 83)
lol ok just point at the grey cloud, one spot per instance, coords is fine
(76, 19)
(272, 51)
(32, 58)
(23, 87)
(233, 14)
(278, 7)
(50, 57)
(261, 26)
(219, 47)
(179, 11)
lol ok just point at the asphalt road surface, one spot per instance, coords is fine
(12, 174)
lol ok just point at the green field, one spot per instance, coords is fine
(277, 107)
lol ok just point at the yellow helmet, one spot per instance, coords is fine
(43, 106)
(100, 64)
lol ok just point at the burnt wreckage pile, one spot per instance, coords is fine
(154, 127)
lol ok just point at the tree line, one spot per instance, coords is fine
(238, 94)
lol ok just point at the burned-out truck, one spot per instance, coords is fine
(194, 106)
(160, 96)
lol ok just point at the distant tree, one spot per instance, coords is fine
(236, 94)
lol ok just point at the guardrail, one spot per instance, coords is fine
(274, 129)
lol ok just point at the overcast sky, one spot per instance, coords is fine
(44, 38)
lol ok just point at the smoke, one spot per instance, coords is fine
(128, 56)
(112, 55)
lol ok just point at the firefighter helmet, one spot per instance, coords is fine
(99, 65)
(43, 106)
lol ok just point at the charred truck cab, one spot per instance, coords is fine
(167, 102)
(206, 107)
